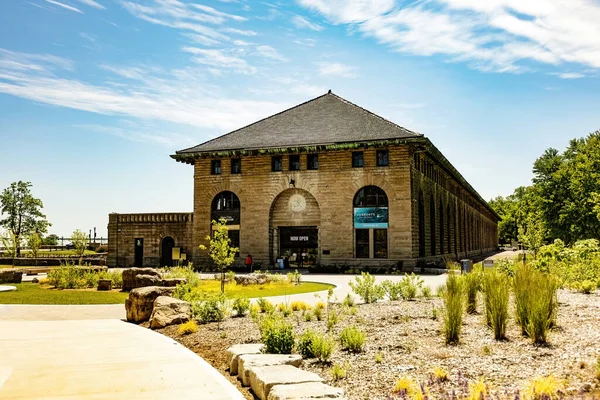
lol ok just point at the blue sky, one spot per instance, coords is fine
(96, 94)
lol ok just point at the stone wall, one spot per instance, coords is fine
(124, 229)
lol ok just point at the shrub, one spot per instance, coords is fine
(352, 339)
(304, 344)
(299, 306)
(284, 309)
(69, 276)
(439, 374)
(277, 335)
(186, 272)
(542, 307)
(585, 287)
(366, 288)
(212, 309)
(426, 291)
(410, 285)
(254, 311)
(265, 306)
(308, 316)
(496, 292)
(294, 277)
(393, 290)
(406, 388)
(379, 357)
(478, 390)
(322, 347)
(440, 291)
(453, 311)
(115, 276)
(241, 305)
(542, 388)
(338, 372)
(188, 327)
(320, 305)
(332, 319)
(318, 313)
(472, 285)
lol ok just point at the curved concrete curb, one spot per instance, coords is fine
(4, 288)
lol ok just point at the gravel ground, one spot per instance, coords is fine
(412, 344)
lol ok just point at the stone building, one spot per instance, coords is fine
(324, 182)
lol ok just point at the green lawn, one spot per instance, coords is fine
(32, 293)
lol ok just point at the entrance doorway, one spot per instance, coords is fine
(299, 245)
(166, 251)
(138, 253)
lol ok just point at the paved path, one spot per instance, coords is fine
(101, 359)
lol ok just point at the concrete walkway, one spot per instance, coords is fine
(101, 359)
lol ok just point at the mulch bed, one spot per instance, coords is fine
(412, 345)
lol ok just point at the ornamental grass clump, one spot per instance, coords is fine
(188, 327)
(453, 308)
(313, 345)
(523, 282)
(265, 306)
(472, 286)
(277, 335)
(365, 287)
(543, 388)
(542, 307)
(353, 339)
(496, 290)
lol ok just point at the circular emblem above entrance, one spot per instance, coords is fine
(297, 203)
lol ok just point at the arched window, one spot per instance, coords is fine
(371, 219)
(421, 205)
(432, 225)
(227, 205)
(370, 196)
(225, 201)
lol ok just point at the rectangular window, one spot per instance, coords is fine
(380, 241)
(357, 159)
(215, 167)
(312, 161)
(382, 158)
(362, 243)
(236, 166)
(276, 164)
(294, 163)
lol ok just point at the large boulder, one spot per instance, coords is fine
(247, 361)
(129, 277)
(11, 275)
(237, 350)
(140, 303)
(146, 280)
(169, 311)
(306, 391)
(252, 279)
(262, 379)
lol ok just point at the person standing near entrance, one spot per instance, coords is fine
(249, 263)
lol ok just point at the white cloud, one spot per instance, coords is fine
(349, 11)
(92, 3)
(337, 69)
(491, 35)
(306, 42)
(65, 6)
(201, 39)
(270, 52)
(181, 96)
(218, 58)
(240, 32)
(87, 36)
(301, 22)
(570, 75)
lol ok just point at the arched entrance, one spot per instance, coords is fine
(226, 205)
(294, 228)
(371, 221)
(166, 251)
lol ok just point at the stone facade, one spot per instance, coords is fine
(379, 194)
(156, 232)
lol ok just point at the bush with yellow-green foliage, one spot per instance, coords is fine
(407, 388)
(353, 339)
(69, 276)
(453, 308)
(241, 305)
(439, 374)
(300, 306)
(339, 372)
(496, 290)
(320, 305)
(277, 335)
(188, 327)
(284, 309)
(313, 345)
(577, 267)
(265, 306)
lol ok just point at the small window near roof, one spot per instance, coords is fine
(312, 161)
(236, 166)
(382, 158)
(294, 162)
(357, 159)
(276, 164)
(215, 167)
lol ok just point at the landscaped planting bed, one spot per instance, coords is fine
(406, 346)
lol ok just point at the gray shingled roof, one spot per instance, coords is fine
(327, 119)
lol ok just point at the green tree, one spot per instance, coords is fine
(34, 242)
(51, 240)
(10, 244)
(23, 212)
(80, 241)
(220, 249)
(532, 233)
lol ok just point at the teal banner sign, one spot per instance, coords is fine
(371, 217)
